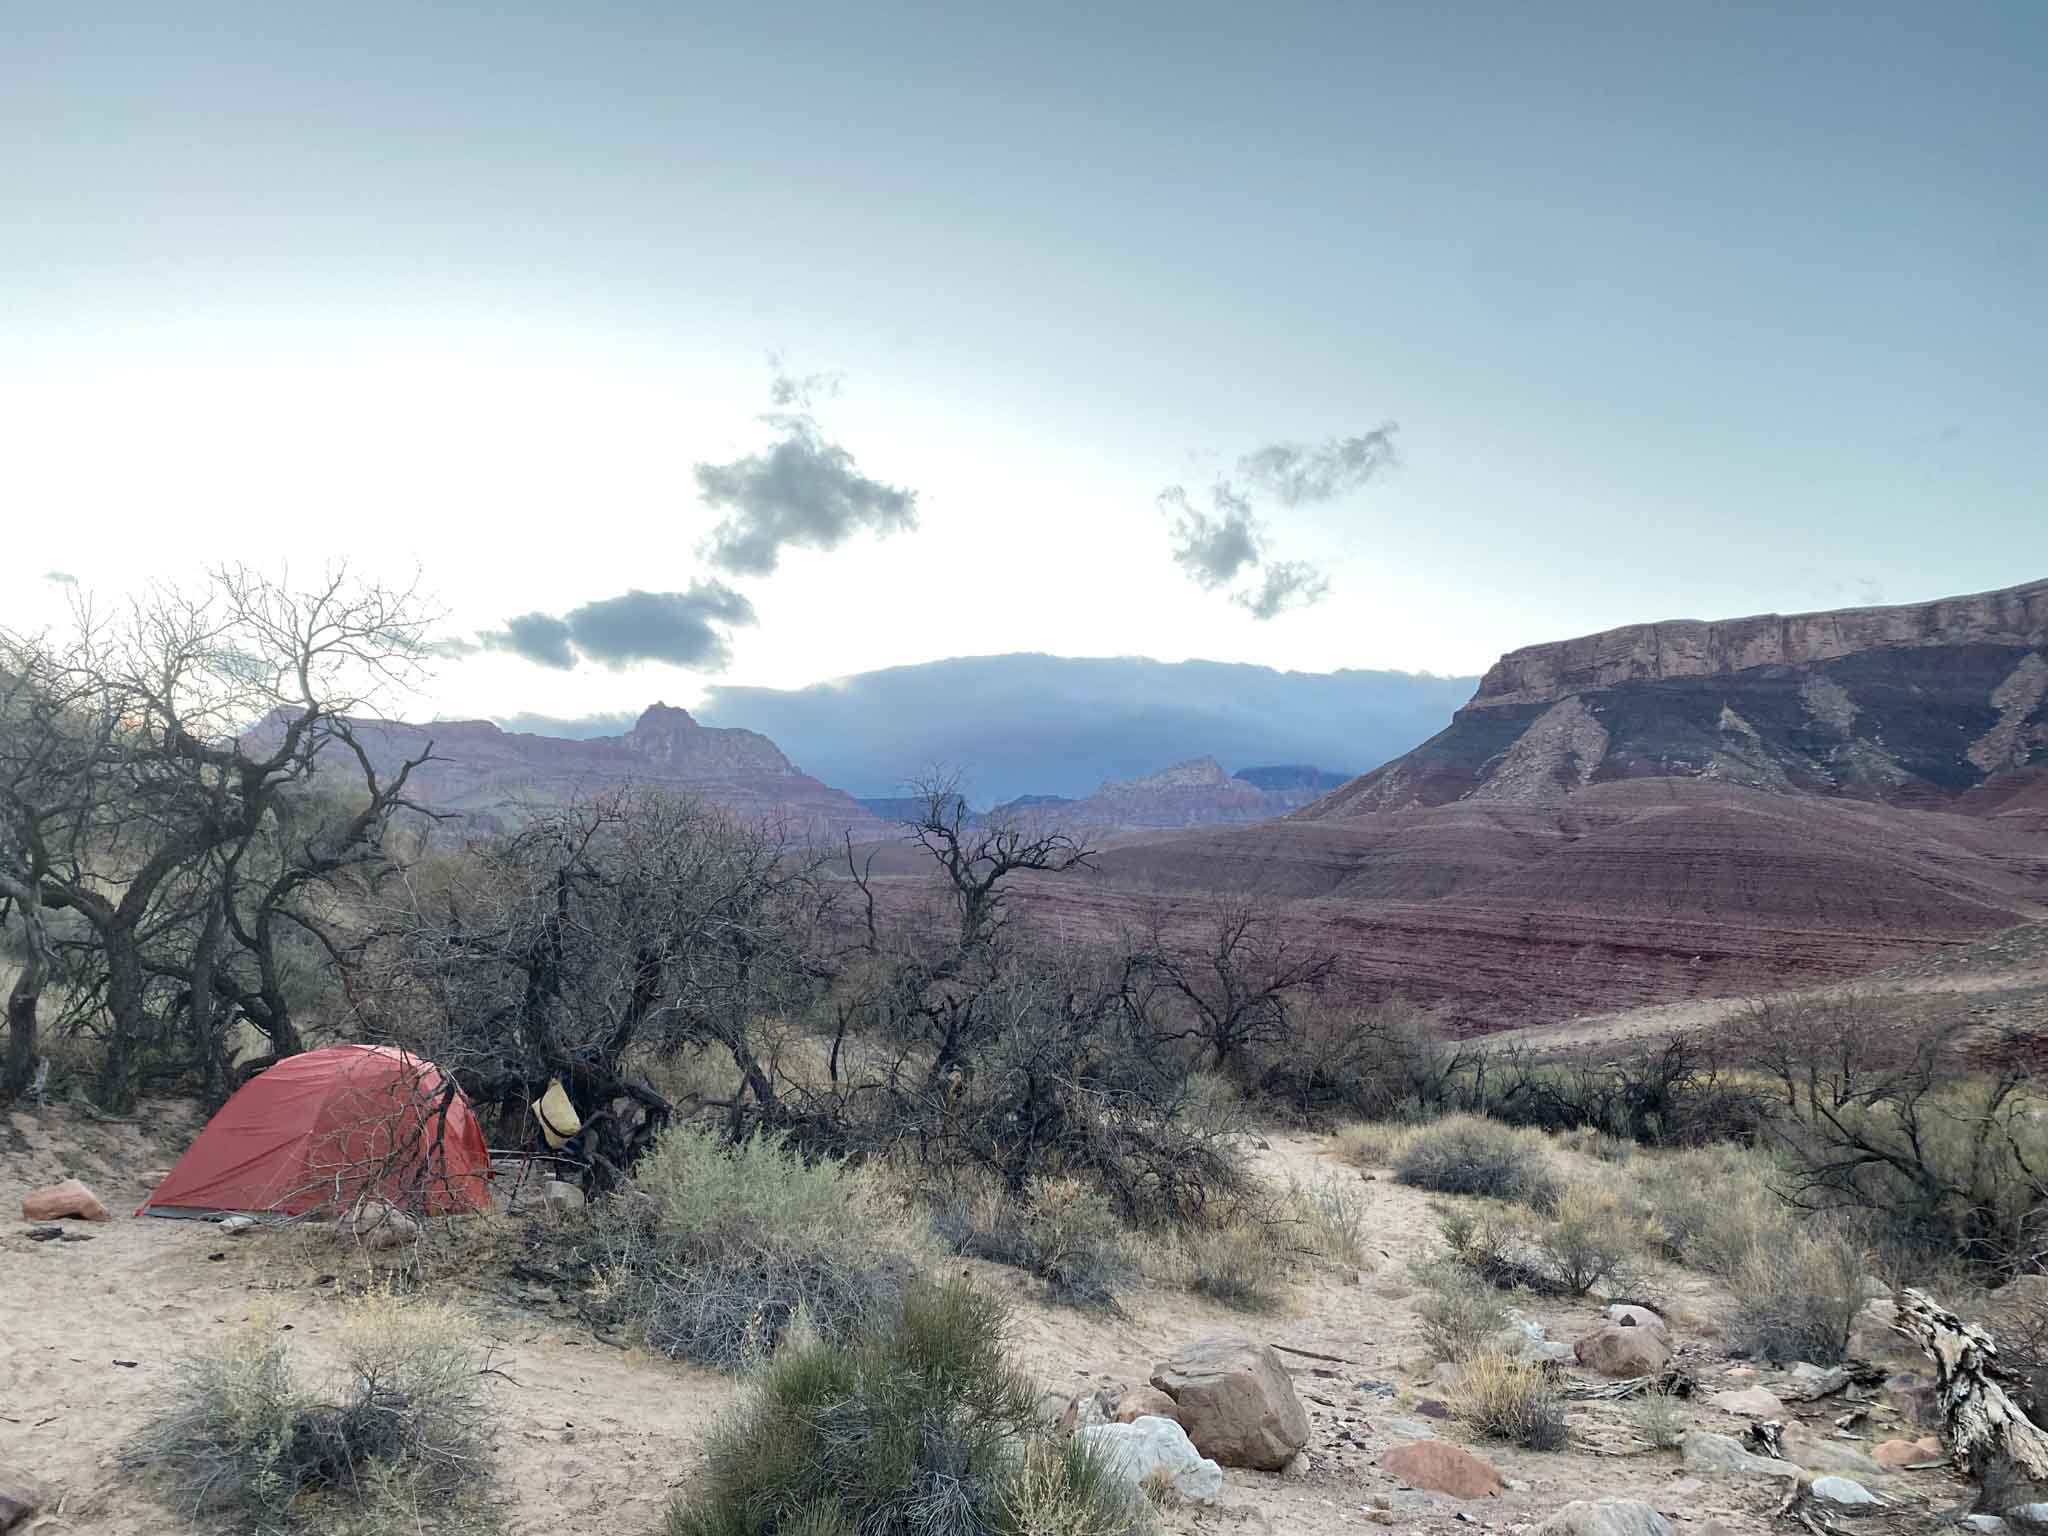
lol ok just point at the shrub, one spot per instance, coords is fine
(1236, 1263)
(1468, 1156)
(1372, 1144)
(398, 1444)
(1598, 1145)
(1511, 1400)
(1709, 1209)
(1062, 1232)
(920, 1426)
(1332, 1218)
(1660, 1420)
(1591, 1240)
(1799, 1299)
(1461, 1314)
(721, 1248)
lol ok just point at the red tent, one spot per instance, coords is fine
(324, 1128)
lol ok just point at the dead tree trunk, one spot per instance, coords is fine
(1989, 1437)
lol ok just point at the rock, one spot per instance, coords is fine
(1146, 1403)
(1441, 1468)
(1844, 1493)
(235, 1226)
(1911, 1396)
(1704, 1451)
(1750, 1403)
(54, 1202)
(1414, 1429)
(377, 1225)
(2028, 1517)
(561, 1199)
(17, 1502)
(1616, 1351)
(1236, 1402)
(1810, 1382)
(1298, 1466)
(1605, 1517)
(1894, 1454)
(1983, 1525)
(1150, 1450)
(1624, 1316)
(1829, 1456)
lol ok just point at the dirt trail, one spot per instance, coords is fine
(594, 1438)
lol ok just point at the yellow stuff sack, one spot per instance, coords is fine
(557, 1116)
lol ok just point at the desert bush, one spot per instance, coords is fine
(1239, 1262)
(1598, 1145)
(1372, 1143)
(1331, 1218)
(1360, 1061)
(920, 1426)
(718, 1249)
(1798, 1299)
(1461, 1314)
(1061, 1231)
(1591, 1240)
(1465, 1155)
(1660, 1418)
(1513, 1401)
(1708, 1208)
(397, 1442)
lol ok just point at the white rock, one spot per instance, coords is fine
(562, 1199)
(1845, 1492)
(1149, 1447)
(235, 1226)
(1704, 1451)
(1605, 1517)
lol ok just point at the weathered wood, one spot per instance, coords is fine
(1989, 1438)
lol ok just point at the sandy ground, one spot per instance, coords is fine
(596, 1439)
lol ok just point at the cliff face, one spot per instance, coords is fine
(496, 778)
(1914, 705)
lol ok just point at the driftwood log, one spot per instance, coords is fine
(1988, 1436)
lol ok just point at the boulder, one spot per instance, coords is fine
(561, 1199)
(1894, 1454)
(1622, 1315)
(54, 1202)
(1298, 1467)
(1749, 1403)
(1983, 1525)
(1441, 1467)
(2028, 1517)
(1605, 1517)
(1616, 1351)
(1236, 1402)
(1146, 1403)
(1149, 1451)
(1828, 1455)
(376, 1224)
(1704, 1451)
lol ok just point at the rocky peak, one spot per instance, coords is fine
(669, 737)
(1196, 773)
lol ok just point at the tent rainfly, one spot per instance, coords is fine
(319, 1131)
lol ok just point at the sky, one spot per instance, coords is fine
(678, 346)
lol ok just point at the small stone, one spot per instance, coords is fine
(562, 1200)
(1433, 1408)
(1605, 1517)
(17, 1502)
(1298, 1466)
(1749, 1403)
(1625, 1316)
(1983, 1525)
(1413, 1429)
(1828, 1455)
(2028, 1517)
(1844, 1493)
(377, 1225)
(1441, 1468)
(235, 1226)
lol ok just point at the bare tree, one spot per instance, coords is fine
(1236, 984)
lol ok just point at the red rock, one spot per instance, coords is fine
(1146, 1403)
(1615, 1351)
(1441, 1467)
(1905, 1453)
(68, 1198)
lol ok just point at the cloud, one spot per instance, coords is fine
(1288, 584)
(541, 638)
(454, 648)
(62, 578)
(571, 727)
(682, 629)
(1310, 472)
(1212, 549)
(801, 389)
(804, 492)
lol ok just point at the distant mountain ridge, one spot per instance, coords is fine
(1194, 793)
(1918, 704)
